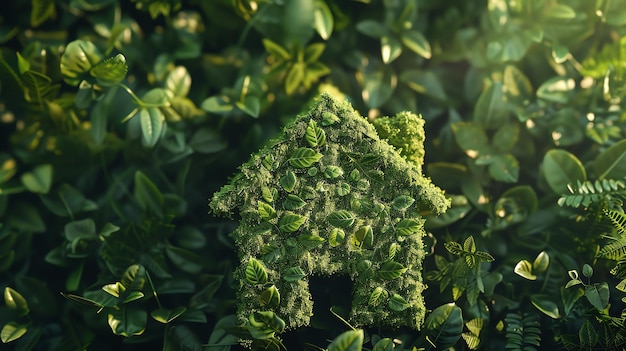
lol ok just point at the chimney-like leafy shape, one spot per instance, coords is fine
(330, 197)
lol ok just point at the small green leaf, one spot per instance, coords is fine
(561, 168)
(504, 168)
(290, 222)
(39, 180)
(443, 326)
(293, 202)
(266, 211)
(385, 344)
(79, 58)
(545, 304)
(251, 105)
(324, 20)
(598, 295)
(110, 71)
(391, 270)
(341, 219)
(408, 226)
(15, 301)
(294, 78)
(288, 181)
(377, 295)
(336, 237)
(569, 298)
(402, 202)
(351, 340)
(217, 104)
(364, 237)
(152, 125)
(491, 110)
(276, 50)
(343, 189)
(269, 194)
(390, 48)
(164, 315)
(148, 195)
(587, 270)
(329, 118)
(417, 43)
(304, 157)
(524, 269)
(178, 81)
(557, 89)
(332, 172)
(127, 322)
(255, 272)
(310, 241)
(561, 11)
(42, 10)
(270, 297)
(315, 135)
(12, 331)
(264, 324)
(471, 138)
(398, 303)
(293, 274)
(541, 263)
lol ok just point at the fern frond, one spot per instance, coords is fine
(619, 221)
(614, 250)
(587, 192)
(522, 333)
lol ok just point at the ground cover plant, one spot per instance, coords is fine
(119, 120)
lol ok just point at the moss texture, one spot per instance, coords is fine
(330, 197)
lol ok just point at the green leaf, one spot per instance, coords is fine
(336, 237)
(79, 58)
(288, 181)
(390, 48)
(471, 138)
(294, 78)
(343, 189)
(186, 260)
(310, 241)
(402, 202)
(371, 28)
(341, 219)
(178, 81)
(379, 84)
(110, 71)
(315, 135)
(207, 141)
(398, 303)
(42, 11)
(504, 168)
(147, 195)
(164, 315)
(587, 271)
(561, 168)
(417, 43)
(569, 298)
(611, 163)
(217, 104)
(443, 327)
(545, 304)
(556, 89)
(276, 50)
(491, 110)
(391, 270)
(377, 295)
(408, 226)
(292, 202)
(39, 180)
(598, 295)
(127, 321)
(561, 11)
(304, 157)
(293, 273)
(588, 335)
(332, 172)
(255, 272)
(15, 301)
(364, 237)
(251, 105)
(291, 222)
(12, 331)
(524, 269)
(266, 211)
(324, 20)
(270, 297)
(424, 82)
(516, 87)
(541, 263)
(385, 344)
(152, 125)
(351, 340)
(269, 194)
(506, 137)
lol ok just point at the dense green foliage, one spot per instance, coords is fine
(118, 120)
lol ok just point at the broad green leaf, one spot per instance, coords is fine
(506, 137)
(313, 52)
(561, 168)
(398, 303)
(251, 105)
(598, 295)
(207, 141)
(569, 298)
(15, 301)
(524, 269)
(443, 327)
(217, 104)
(498, 13)
(516, 86)
(417, 43)
(336, 237)
(351, 340)
(164, 315)
(221, 339)
(12, 331)
(545, 304)
(379, 83)
(110, 71)
(310, 241)
(391, 270)
(152, 125)
(425, 82)
(341, 219)
(127, 321)
(385, 344)
(255, 272)
(134, 277)
(402, 202)
(79, 58)
(304, 157)
(270, 297)
(42, 10)
(324, 20)
(371, 28)
(288, 181)
(390, 48)
(329, 118)
(557, 89)
(561, 11)
(491, 110)
(276, 50)
(541, 263)
(588, 335)
(377, 295)
(294, 78)
(293, 274)
(39, 180)
(266, 211)
(269, 194)
(81, 229)
(504, 168)
(315, 135)
(408, 226)
(343, 189)
(611, 163)
(332, 172)
(290, 222)
(471, 138)
(147, 195)
(292, 202)
(364, 237)
(178, 81)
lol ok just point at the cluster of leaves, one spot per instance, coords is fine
(109, 153)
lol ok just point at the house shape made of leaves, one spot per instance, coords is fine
(330, 197)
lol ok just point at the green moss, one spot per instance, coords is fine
(405, 131)
(331, 197)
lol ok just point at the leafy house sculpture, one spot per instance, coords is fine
(329, 197)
